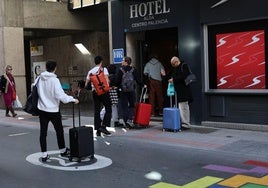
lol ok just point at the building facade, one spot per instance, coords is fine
(224, 42)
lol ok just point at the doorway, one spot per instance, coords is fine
(162, 42)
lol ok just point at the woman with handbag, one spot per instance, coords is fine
(8, 89)
(184, 96)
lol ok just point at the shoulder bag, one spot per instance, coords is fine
(190, 77)
(32, 100)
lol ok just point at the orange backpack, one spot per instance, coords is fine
(99, 81)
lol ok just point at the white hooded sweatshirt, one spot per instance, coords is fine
(51, 93)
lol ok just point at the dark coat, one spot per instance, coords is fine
(179, 74)
(3, 83)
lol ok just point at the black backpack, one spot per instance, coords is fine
(128, 82)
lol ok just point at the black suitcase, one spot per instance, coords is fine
(81, 140)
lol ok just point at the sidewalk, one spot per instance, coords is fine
(247, 142)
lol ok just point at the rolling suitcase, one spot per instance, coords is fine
(143, 111)
(81, 140)
(171, 117)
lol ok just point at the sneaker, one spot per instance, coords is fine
(130, 123)
(44, 159)
(121, 122)
(104, 131)
(98, 133)
(66, 153)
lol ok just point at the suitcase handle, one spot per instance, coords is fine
(143, 93)
(79, 118)
(176, 102)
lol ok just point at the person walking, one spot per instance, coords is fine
(154, 71)
(100, 100)
(177, 75)
(113, 94)
(128, 89)
(50, 95)
(8, 89)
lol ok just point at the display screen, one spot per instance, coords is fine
(241, 60)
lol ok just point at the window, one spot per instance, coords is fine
(75, 4)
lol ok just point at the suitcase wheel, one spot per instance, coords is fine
(70, 159)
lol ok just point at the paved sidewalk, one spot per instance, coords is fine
(253, 143)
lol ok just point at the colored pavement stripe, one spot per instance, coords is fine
(257, 170)
(250, 185)
(164, 185)
(240, 180)
(256, 163)
(218, 186)
(200, 183)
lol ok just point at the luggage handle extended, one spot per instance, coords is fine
(143, 93)
(79, 118)
(176, 102)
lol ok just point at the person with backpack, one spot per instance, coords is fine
(128, 77)
(100, 98)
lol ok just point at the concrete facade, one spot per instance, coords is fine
(31, 23)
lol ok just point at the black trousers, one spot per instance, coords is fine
(100, 100)
(55, 119)
(128, 100)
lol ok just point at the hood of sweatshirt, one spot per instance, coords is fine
(153, 61)
(47, 75)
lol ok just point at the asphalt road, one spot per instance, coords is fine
(137, 158)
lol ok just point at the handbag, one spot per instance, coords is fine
(32, 100)
(190, 77)
(170, 89)
(13, 94)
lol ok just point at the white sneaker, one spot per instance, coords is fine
(121, 122)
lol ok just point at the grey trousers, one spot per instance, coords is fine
(185, 114)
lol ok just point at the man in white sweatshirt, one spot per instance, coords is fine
(50, 95)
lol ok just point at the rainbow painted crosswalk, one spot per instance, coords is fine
(239, 180)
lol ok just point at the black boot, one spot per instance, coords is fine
(12, 111)
(7, 112)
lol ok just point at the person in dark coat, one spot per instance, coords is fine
(177, 75)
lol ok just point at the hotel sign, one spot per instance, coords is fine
(147, 14)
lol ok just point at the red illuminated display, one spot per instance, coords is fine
(241, 60)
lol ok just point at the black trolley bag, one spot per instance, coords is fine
(81, 140)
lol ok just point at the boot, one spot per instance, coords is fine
(7, 112)
(12, 111)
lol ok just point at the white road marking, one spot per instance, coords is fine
(18, 134)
